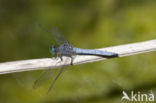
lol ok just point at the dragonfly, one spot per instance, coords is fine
(64, 48)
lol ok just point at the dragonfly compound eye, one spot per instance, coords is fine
(52, 50)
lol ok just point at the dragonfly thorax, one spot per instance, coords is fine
(65, 49)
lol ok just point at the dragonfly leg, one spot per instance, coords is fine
(61, 58)
(72, 59)
(55, 58)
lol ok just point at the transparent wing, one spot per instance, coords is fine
(61, 70)
(52, 84)
(56, 35)
(46, 75)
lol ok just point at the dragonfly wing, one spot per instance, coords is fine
(56, 34)
(46, 75)
(61, 70)
(52, 84)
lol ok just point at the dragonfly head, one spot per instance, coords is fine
(52, 50)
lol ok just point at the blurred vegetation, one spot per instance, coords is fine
(86, 24)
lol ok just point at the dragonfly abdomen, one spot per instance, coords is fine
(94, 52)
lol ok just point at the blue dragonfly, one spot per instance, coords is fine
(64, 48)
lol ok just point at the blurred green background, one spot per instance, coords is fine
(86, 24)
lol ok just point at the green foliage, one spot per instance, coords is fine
(86, 24)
